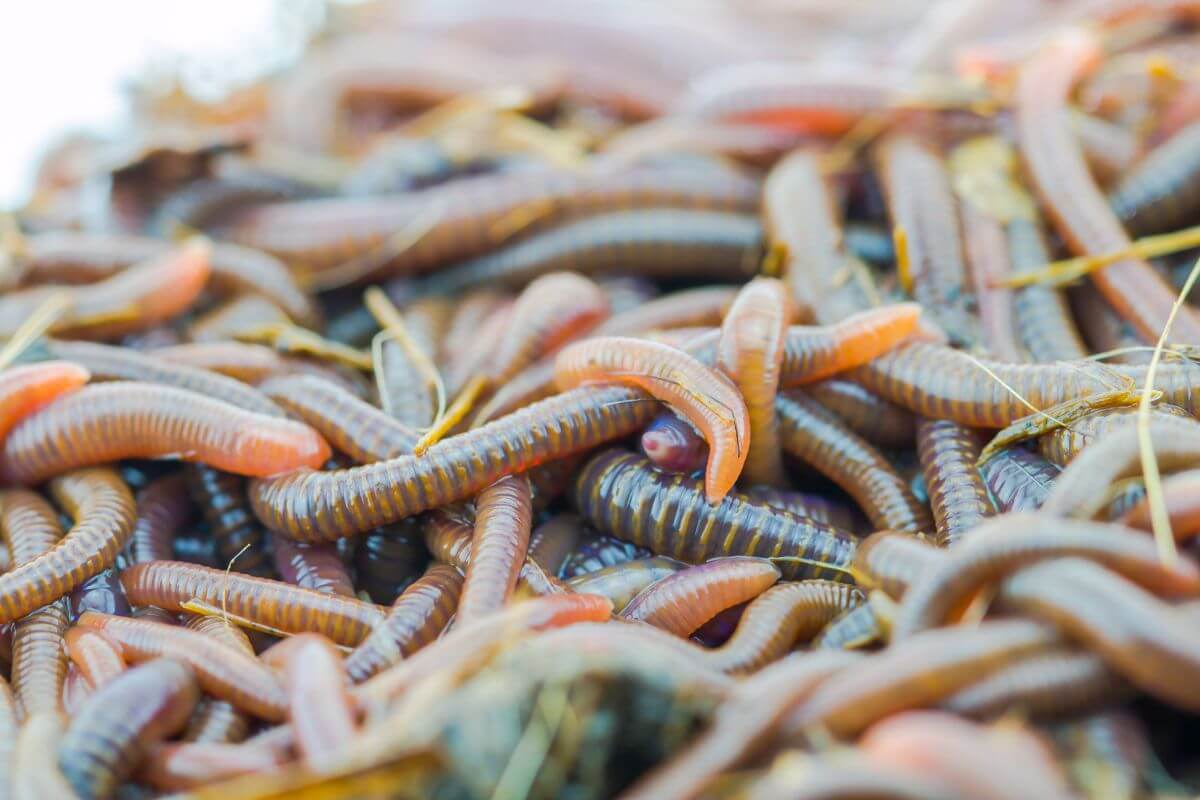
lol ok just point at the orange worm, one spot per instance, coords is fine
(108, 422)
(503, 516)
(27, 388)
(708, 399)
(682, 602)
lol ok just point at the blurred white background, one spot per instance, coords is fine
(65, 64)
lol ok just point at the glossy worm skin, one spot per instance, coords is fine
(25, 389)
(621, 494)
(941, 383)
(236, 536)
(779, 618)
(960, 500)
(471, 644)
(472, 308)
(221, 670)
(1160, 193)
(103, 510)
(111, 363)
(1041, 313)
(599, 551)
(1058, 682)
(324, 506)
(248, 363)
(750, 353)
(137, 298)
(921, 202)
(815, 435)
(406, 393)
(168, 584)
(389, 559)
(8, 734)
(319, 706)
(651, 243)
(108, 422)
(814, 353)
(417, 617)
(1139, 636)
(682, 602)
(620, 583)
(118, 725)
(673, 444)
(1077, 492)
(1080, 212)
(1061, 445)
(312, 566)
(551, 311)
(218, 720)
(450, 537)
(163, 507)
(503, 520)
(918, 672)
(808, 504)
(96, 658)
(72, 257)
(879, 422)
(708, 400)
(475, 215)
(893, 561)
(1008, 543)
(352, 426)
(1180, 497)
(553, 541)
(852, 630)
(1019, 480)
(800, 216)
(30, 528)
(235, 318)
(700, 307)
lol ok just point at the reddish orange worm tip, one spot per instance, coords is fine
(704, 396)
(25, 389)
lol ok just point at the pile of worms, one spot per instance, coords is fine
(618, 399)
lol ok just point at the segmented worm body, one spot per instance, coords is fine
(312, 566)
(1018, 479)
(879, 422)
(313, 506)
(893, 561)
(503, 520)
(119, 725)
(278, 605)
(623, 495)
(960, 499)
(1055, 683)
(1160, 193)
(682, 602)
(108, 422)
(218, 720)
(237, 537)
(96, 658)
(25, 389)
(163, 507)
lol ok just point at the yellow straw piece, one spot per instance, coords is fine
(294, 339)
(1058, 273)
(454, 414)
(40, 321)
(903, 264)
(394, 329)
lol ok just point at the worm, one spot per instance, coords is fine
(103, 510)
(74, 257)
(1180, 499)
(96, 658)
(817, 352)
(31, 528)
(27, 388)
(450, 539)
(800, 216)
(921, 202)
(248, 363)
(419, 615)
(708, 400)
(108, 422)
(388, 559)
(1061, 445)
(236, 317)
(1059, 682)
(807, 504)
(221, 670)
(552, 310)
(999, 547)
(163, 508)
(1079, 211)
(651, 243)
(941, 383)
(313, 506)
(881, 423)
(703, 306)
(1019, 480)
(218, 720)
(319, 705)
(960, 499)
(238, 540)
(553, 541)
(315, 566)
(169, 584)
(599, 551)
(892, 561)
(620, 583)
(1140, 637)
(503, 519)
(854, 629)
(812, 433)
(682, 602)
(1042, 316)
(750, 353)
(617, 491)
(917, 672)
(121, 722)
(779, 618)
(673, 444)
(1160, 193)
(8, 731)
(181, 766)
(140, 297)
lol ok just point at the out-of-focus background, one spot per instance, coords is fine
(70, 67)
